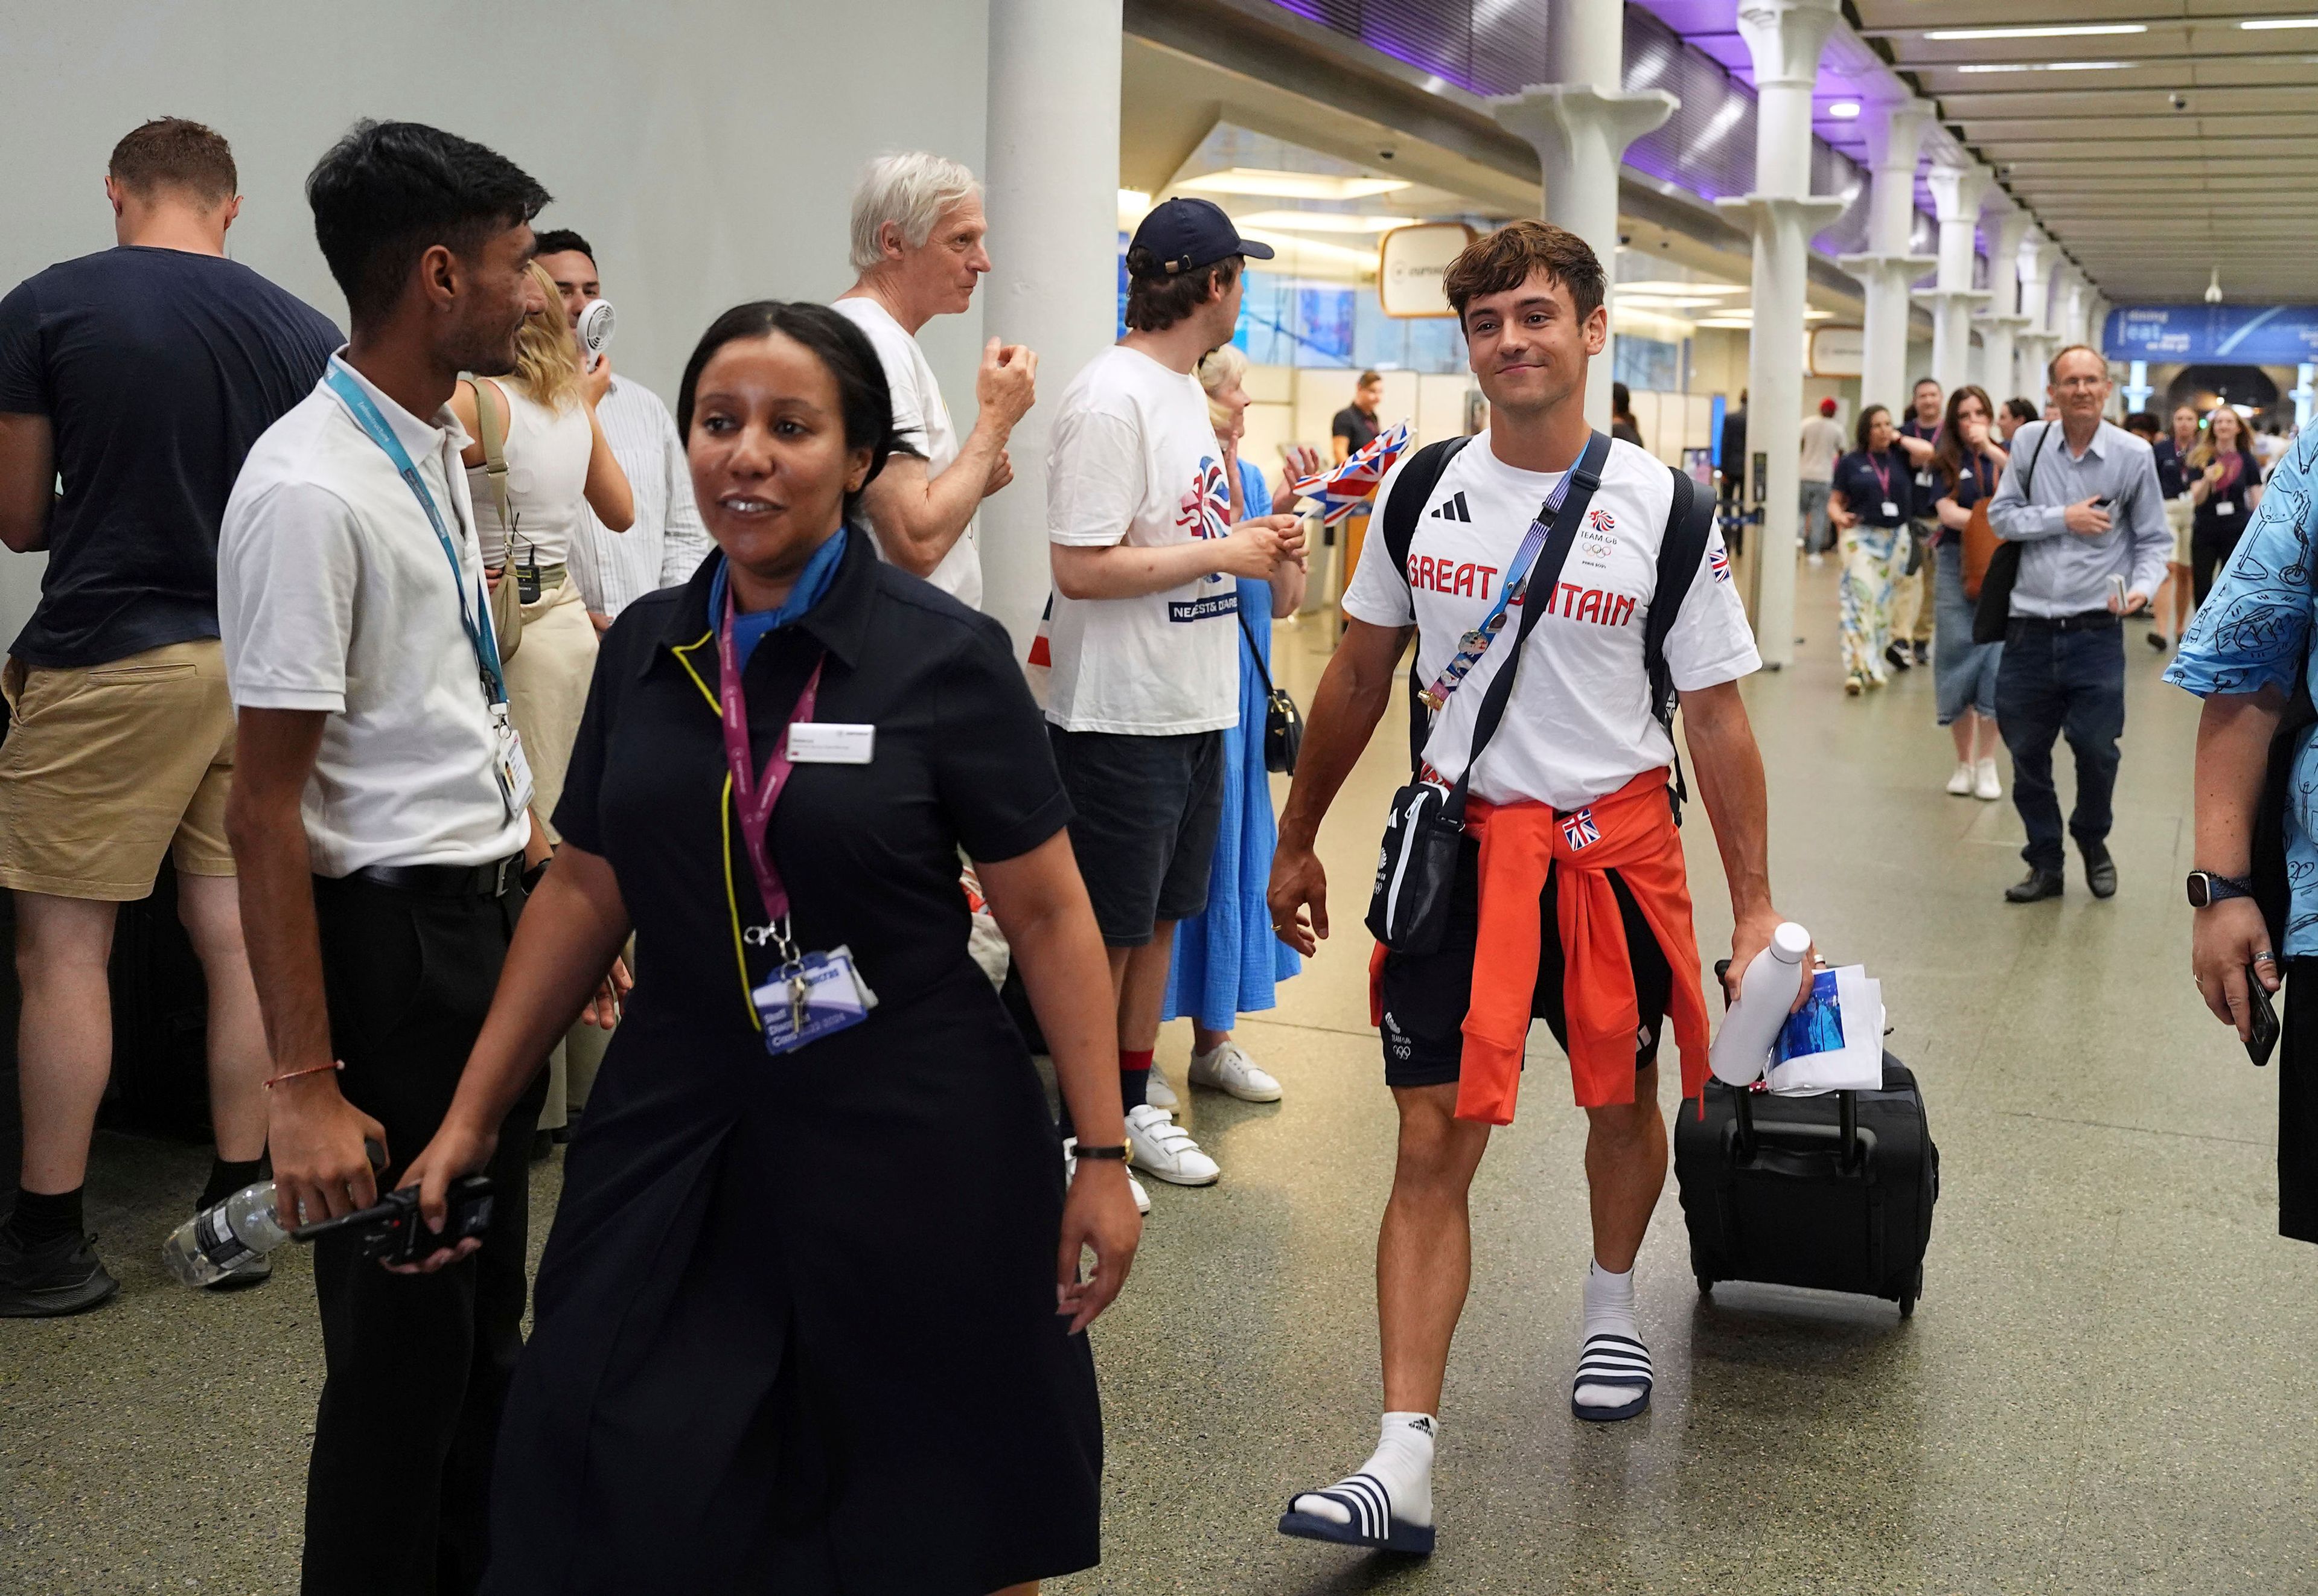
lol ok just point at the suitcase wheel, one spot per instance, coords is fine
(1907, 1299)
(1706, 1285)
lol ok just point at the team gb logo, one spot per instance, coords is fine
(1601, 520)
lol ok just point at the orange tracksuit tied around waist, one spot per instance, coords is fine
(1631, 831)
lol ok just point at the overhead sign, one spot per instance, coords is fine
(1410, 262)
(1838, 350)
(2241, 334)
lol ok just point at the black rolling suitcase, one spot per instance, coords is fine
(1833, 1192)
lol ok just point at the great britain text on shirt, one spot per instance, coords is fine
(1579, 725)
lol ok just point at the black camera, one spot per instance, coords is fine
(395, 1232)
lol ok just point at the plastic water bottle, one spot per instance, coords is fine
(207, 1247)
(1766, 995)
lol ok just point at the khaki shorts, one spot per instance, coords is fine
(2181, 517)
(108, 766)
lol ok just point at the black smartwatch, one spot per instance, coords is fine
(2207, 889)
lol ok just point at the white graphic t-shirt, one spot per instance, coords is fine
(923, 419)
(1134, 461)
(1578, 726)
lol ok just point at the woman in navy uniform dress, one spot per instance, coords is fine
(785, 1342)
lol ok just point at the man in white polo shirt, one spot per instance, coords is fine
(917, 244)
(1569, 900)
(380, 823)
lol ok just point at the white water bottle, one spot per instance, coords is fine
(1767, 996)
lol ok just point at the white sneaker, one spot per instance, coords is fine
(1070, 1171)
(1987, 787)
(1159, 1094)
(1229, 1068)
(1960, 783)
(1166, 1151)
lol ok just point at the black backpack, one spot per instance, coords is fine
(1690, 525)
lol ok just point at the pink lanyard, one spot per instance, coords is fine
(1882, 477)
(753, 797)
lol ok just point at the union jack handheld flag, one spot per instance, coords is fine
(1343, 489)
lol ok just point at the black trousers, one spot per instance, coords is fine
(416, 1366)
(2208, 552)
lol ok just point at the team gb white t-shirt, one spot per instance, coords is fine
(1134, 461)
(1578, 726)
(923, 419)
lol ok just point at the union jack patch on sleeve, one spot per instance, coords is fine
(1718, 563)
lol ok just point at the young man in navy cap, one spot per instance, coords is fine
(1143, 634)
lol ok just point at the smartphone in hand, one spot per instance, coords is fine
(2264, 1040)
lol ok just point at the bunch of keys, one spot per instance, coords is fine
(811, 995)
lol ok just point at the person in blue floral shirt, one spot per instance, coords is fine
(2244, 654)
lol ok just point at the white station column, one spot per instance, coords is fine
(2069, 308)
(2033, 350)
(1784, 39)
(2003, 321)
(1895, 138)
(1957, 190)
(1052, 196)
(1581, 123)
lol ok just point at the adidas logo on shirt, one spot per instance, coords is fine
(1453, 508)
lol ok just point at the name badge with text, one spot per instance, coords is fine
(830, 742)
(2225, 507)
(1891, 508)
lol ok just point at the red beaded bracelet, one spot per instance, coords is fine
(308, 1070)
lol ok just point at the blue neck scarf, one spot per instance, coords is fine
(751, 626)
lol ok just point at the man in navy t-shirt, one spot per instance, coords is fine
(140, 376)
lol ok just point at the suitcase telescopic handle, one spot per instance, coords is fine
(1849, 1151)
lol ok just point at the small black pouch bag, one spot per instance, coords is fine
(1408, 907)
(1283, 722)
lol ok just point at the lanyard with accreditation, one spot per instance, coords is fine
(511, 770)
(809, 995)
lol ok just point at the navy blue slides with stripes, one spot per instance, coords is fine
(1612, 1360)
(1364, 1497)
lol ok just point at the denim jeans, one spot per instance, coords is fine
(2050, 683)
(1818, 532)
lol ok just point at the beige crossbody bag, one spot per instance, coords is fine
(506, 598)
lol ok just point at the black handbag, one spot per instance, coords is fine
(1408, 905)
(1283, 722)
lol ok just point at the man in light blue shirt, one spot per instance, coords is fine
(2245, 654)
(2081, 498)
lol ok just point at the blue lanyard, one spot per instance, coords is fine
(366, 414)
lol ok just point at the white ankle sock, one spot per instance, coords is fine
(1402, 1464)
(1609, 1311)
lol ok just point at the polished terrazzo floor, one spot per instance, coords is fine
(2106, 1387)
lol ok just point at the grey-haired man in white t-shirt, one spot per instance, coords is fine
(917, 244)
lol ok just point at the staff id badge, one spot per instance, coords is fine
(1890, 508)
(811, 997)
(2224, 506)
(508, 765)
